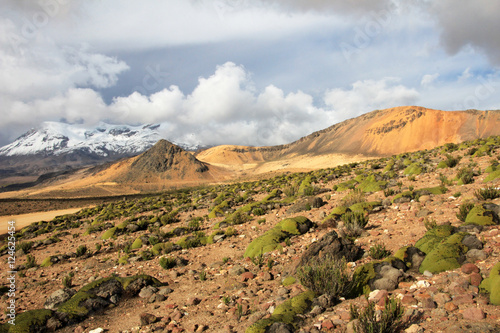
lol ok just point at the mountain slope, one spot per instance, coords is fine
(163, 161)
(378, 133)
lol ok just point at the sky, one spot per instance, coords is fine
(246, 72)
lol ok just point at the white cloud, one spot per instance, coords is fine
(428, 79)
(369, 95)
(223, 108)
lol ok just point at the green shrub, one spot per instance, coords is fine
(488, 193)
(67, 281)
(389, 321)
(167, 262)
(355, 218)
(465, 175)
(379, 252)
(354, 223)
(81, 250)
(25, 246)
(326, 276)
(30, 261)
(353, 197)
(153, 240)
(388, 192)
(464, 210)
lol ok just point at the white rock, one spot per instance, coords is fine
(97, 330)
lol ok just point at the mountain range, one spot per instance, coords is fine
(379, 133)
(55, 147)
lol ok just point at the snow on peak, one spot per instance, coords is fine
(55, 138)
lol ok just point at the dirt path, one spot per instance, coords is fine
(26, 219)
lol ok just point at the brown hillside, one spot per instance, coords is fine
(164, 161)
(388, 132)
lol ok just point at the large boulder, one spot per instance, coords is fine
(331, 246)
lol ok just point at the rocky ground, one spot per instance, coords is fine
(214, 288)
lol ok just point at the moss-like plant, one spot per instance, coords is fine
(285, 313)
(271, 240)
(445, 255)
(108, 233)
(491, 285)
(47, 262)
(479, 215)
(137, 244)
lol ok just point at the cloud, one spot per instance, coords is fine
(338, 6)
(428, 79)
(369, 95)
(473, 23)
(38, 68)
(223, 108)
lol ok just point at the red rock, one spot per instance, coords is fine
(170, 306)
(473, 314)
(469, 268)
(409, 300)
(327, 324)
(450, 307)
(475, 279)
(246, 276)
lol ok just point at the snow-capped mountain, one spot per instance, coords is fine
(55, 138)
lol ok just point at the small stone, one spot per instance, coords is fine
(266, 276)
(283, 291)
(202, 328)
(450, 307)
(255, 317)
(428, 274)
(97, 330)
(475, 279)
(469, 268)
(147, 292)
(473, 314)
(476, 255)
(463, 299)
(246, 276)
(237, 270)
(165, 291)
(317, 310)
(193, 301)
(428, 303)
(441, 299)
(377, 295)
(327, 324)
(147, 318)
(79, 329)
(414, 329)
(409, 300)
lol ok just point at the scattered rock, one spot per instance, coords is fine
(473, 314)
(147, 318)
(58, 297)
